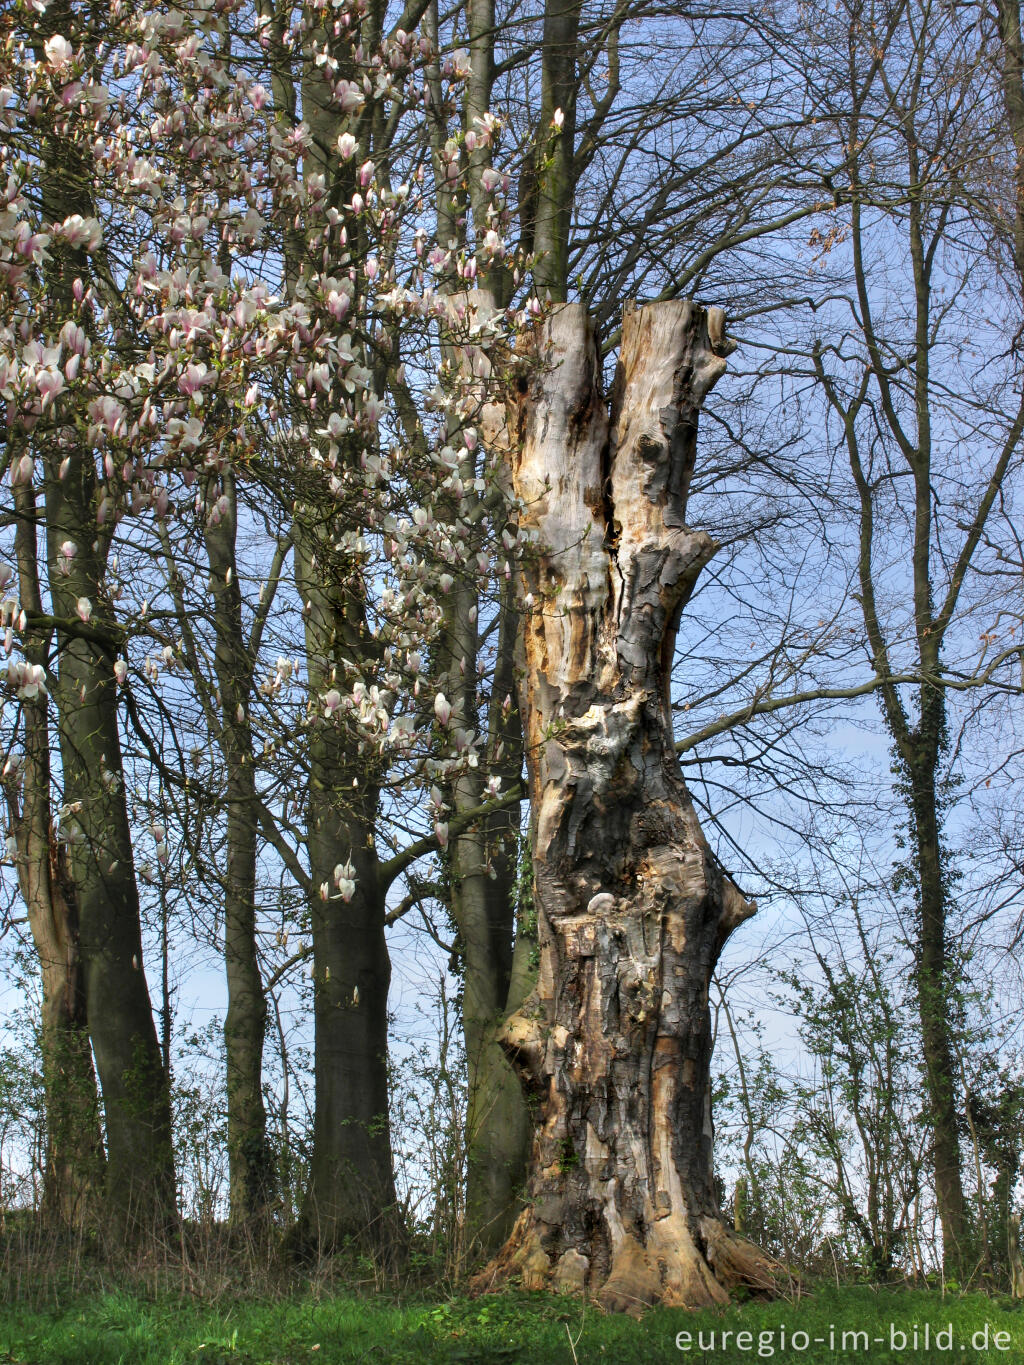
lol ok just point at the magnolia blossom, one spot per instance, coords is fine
(493, 246)
(21, 470)
(79, 231)
(349, 96)
(49, 383)
(58, 51)
(14, 765)
(29, 680)
(345, 880)
(193, 379)
(338, 303)
(207, 174)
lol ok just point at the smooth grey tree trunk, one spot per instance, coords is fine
(351, 1194)
(245, 1022)
(484, 856)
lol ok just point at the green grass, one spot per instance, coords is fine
(120, 1329)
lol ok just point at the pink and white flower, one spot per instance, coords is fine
(59, 52)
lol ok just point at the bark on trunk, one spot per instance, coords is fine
(937, 1010)
(351, 1195)
(73, 1169)
(555, 153)
(498, 1120)
(614, 1043)
(484, 857)
(140, 1186)
(1012, 72)
(483, 877)
(73, 1160)
(246, 1020)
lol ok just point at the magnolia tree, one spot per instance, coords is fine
(208, 286)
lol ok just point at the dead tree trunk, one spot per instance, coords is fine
(633, 909)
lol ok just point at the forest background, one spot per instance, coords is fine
(267, 272)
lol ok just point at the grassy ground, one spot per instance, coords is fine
(119, 1329)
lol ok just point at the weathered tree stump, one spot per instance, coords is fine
(614, 1044)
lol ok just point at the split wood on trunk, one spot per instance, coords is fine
(633, 909)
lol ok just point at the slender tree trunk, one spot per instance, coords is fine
(556, 144)
(246, 1020)
(140, 1190)
(1012, 73)
(498, 1120)
(73, 1163)
(632, 907)
(351, 1194)
(139, 1173)
(484, 857)
(483, 877)
(937, 1010)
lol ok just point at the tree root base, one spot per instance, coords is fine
(669, 1269)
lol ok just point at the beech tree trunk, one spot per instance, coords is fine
(632, 907)
(351, 1194)
(245, 1023)
(554, 156)
(483, 883)
(484, 856)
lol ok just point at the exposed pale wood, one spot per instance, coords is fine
(633, 909)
